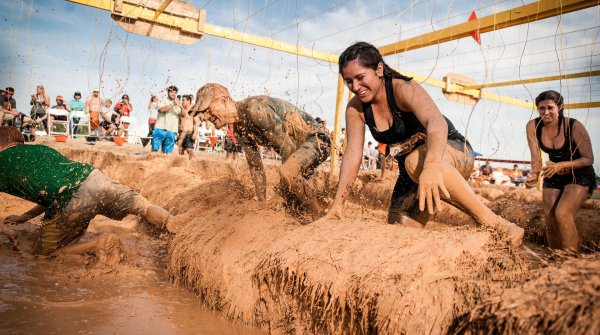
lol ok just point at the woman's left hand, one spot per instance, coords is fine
(552, 168)
(431, 181)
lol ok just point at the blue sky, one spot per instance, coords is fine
(68, 47)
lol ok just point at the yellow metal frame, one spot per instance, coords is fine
(508, 18)
(536, 80)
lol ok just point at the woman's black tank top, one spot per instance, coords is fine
(404, 124)
(569, 150)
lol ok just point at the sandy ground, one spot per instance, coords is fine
(257, 265)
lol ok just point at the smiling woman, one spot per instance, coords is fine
(396, 109)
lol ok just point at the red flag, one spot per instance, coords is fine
(475, 33)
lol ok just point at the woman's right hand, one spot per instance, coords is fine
(335, 212)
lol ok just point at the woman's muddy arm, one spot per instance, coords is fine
(355, 133)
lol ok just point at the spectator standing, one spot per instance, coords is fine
(8, 106)
(188, 127)
(152, 115)
(167, 122)
(92, 106)
(40, 102)
(124, 108)
(76, 106)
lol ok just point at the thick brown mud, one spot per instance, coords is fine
(258, 265)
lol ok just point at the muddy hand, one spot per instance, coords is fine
(551, 169)
(532, 180)
(335, 212)
(431, 181)
(13, 219)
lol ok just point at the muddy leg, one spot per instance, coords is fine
(299, 165)
(460, 191)
(550, 197)
(572, 198)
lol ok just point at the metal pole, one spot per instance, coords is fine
(337, 127)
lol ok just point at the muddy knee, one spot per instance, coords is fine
(413, 163)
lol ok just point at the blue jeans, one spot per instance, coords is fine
(163, 138)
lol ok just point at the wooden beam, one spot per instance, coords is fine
(512, 17)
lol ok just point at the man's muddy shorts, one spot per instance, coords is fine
(98, 194)
(188, 142)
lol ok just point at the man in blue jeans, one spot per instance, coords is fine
(167, 122)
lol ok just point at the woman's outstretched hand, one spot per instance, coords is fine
(335, 212)
(431, 181)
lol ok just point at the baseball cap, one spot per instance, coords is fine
(96, 90)
(60, 97)
(207, 93)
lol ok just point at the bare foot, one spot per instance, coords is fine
(506, 228)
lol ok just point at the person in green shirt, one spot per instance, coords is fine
(68, 192)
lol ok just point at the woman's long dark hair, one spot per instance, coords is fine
(558, 99)
(367, 56)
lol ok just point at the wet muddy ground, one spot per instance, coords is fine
(80, 295)
(258, 264)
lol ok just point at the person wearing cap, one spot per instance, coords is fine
(167, 122)
(271, 122)
(76, 106)
(8, 106)
(92, 106)
(69, 193)
(124, 108)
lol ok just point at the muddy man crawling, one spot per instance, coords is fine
(69, 193)
(276, 123)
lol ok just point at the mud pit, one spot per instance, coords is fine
(256, 265)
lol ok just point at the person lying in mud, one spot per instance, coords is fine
(569, 177)
(433, 157)
(271, 122)
(68, 192)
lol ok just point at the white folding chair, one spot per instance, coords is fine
(84, 123)
(52, 123)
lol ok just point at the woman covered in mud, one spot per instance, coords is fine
(68, 192)
(569, 177)
(433, 157)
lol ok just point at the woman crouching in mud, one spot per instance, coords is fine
(569, 177)
(69, 194)
(432, 155)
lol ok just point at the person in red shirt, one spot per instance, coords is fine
(124, 108)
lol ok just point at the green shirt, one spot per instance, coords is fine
(42, 175)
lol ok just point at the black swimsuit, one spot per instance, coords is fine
(404, 125)
(585, 176)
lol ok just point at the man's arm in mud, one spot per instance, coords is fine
(257, 170)
(30, 214)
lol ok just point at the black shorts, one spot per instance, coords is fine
(188, 142)
(106, 124)
(231, 146)
(559, 181)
